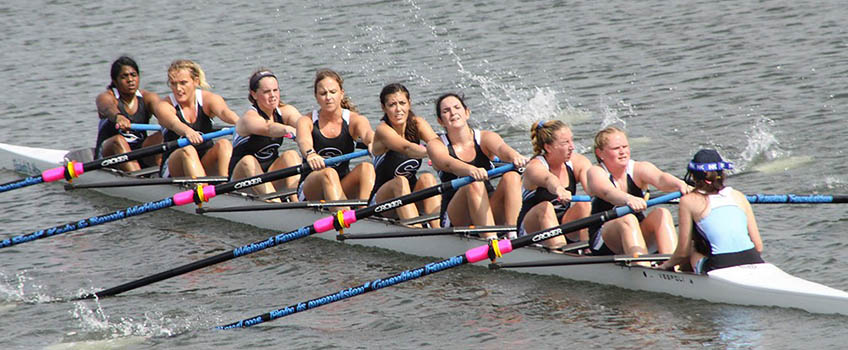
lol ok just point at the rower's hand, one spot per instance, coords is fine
(636, 203)
(684, 188)
(563, 195)
(315, 161)
(520, 162)
(194, 137)
(121, 122)
(478, 174)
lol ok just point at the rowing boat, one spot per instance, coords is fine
(757, 284)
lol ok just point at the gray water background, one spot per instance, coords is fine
(764, 82)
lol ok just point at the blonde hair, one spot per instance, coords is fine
(542, 133)
(324, 73)
(193, 69)
(602, 138)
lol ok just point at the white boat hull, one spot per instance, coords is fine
(759, 284)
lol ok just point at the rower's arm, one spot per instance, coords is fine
(536, 175)
(360, 128)
(150, 100)
(290, 116)
(167, 116)
(218, 107)
(599, 185)
(493, 143)
(442, 160)
(753, 229)
(648, 173)
(683, 250)
(253, 124)
(581, 166)
(386, 138)
(107, 107)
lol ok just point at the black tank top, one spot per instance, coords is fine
(107, 128)
(332, 147)
(480, 160)
(391, 164)
(541, 194)
(264, 148)
(600, 205)
(202, 124)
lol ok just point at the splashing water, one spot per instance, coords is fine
(97, 325)
(610, 112)
(21, 289)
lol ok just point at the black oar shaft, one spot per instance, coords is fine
(226, 256)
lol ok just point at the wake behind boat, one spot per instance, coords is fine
(758, 284)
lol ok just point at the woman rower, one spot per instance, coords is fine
(398, 151)
(121, 104)
(463, 151)
(187, 113)
(260, 133)
(332, 131)
(549, 182)
(617, 180)
(727, 232)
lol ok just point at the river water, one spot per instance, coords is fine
(764, 82)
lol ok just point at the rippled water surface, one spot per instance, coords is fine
(763, 82)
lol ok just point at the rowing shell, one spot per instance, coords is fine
(757, 284)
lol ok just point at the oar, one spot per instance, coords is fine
(198, 196)
(145, 127)
(287, 205)
(150, 182)
(74, 169)
(603, 259)
(322, 225)
(427, 232)
(796, 199)
(493, 250)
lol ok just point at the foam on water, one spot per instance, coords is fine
(107, 344)
(763, 152)
(97, 327)
(20, 288)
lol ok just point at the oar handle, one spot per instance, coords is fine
(182, 141)
(145, 127)
(465, 180)
(505, 246)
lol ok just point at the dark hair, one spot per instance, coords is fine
(410, 132)
(120, 63)
(444, 96)
(542, 133)
(324, 73)
(253, 83)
